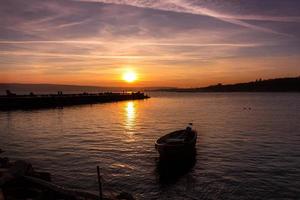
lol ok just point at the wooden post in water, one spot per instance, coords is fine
(99, 183)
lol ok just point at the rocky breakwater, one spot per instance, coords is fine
(12, 101)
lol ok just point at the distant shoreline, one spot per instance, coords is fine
(269, 85)
(288, 84)
(25, 89)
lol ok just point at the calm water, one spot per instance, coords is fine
(241, 153)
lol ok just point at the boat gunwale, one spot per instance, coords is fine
(157, 144)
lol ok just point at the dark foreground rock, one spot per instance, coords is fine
(19, 180)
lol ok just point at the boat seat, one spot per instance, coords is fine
(175, 140)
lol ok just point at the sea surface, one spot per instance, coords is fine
(248, 145)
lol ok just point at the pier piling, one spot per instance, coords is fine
(99, 183)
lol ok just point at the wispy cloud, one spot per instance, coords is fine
(97, 42)
(183, 6)
(75, 23)
(94, 56)
(166, 39)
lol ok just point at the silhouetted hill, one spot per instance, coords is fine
(270, 85)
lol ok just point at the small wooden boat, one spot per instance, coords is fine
(177, 144)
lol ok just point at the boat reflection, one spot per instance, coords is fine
(169, 171)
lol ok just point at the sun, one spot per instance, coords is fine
(129, 77)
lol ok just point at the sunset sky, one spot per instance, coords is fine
(182, 43)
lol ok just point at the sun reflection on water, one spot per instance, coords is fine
(129, 119)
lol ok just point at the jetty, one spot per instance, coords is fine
(12, 101)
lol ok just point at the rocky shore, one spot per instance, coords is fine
(19, 180)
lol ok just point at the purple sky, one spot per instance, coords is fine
(166, 42)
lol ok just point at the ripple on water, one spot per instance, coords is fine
(241, 153)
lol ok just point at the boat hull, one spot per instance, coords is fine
(176, 151)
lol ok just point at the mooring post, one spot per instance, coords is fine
(99, 183)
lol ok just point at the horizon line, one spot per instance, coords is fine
(173, 87)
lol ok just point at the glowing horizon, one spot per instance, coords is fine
(169, 43)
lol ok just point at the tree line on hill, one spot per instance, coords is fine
(270, 85)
